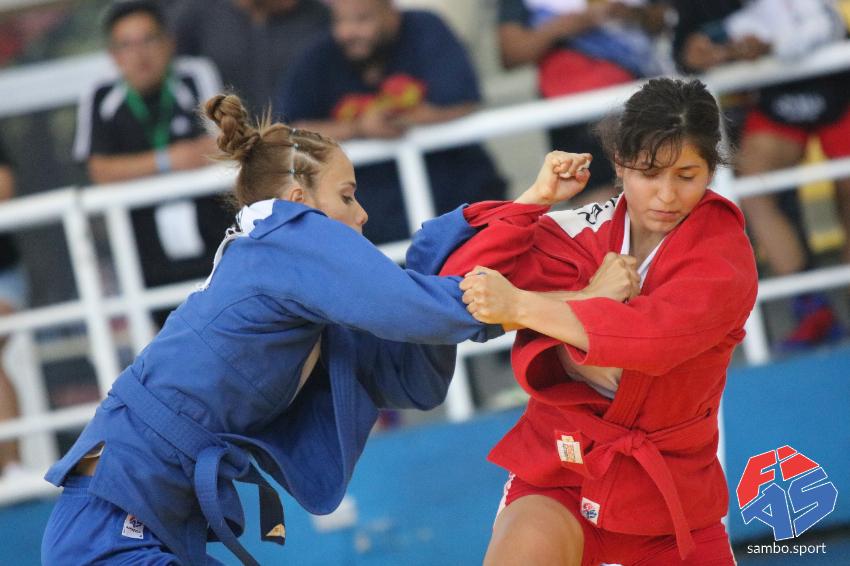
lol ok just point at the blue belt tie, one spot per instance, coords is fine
(208, 452)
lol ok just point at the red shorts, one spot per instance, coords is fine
(712, 543)
(834, 137)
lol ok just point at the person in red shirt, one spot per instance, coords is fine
(615, 458)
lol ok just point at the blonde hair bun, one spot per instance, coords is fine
(238, 137)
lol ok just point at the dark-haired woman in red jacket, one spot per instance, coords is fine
(615, 458)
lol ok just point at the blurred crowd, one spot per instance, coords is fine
(373, 69)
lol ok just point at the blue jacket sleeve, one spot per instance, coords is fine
(399, 375)
(404, 376)
(432, 244)
(323, 271)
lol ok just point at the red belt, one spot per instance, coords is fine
(612, 439)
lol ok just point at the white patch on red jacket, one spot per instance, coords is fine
(590, 510)
(591, 216)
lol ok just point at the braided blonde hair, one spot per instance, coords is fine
(271, 156)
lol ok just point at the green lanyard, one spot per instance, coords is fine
(157, 133)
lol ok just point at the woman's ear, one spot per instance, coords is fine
(294, 193)
(619, 169)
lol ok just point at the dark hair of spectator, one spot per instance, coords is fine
(271, 156)
(660, 117)
(120, 9)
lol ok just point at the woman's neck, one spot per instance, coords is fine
(642, 242)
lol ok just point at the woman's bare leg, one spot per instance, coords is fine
(773, 231)
(538, 530)
(8, 402)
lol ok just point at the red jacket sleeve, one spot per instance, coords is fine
(704, 292)
(507, 233)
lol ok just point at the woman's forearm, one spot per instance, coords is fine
(563, 295)
(552, 295)
(549, 314)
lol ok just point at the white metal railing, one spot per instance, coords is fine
(72, 207)
(11, 5)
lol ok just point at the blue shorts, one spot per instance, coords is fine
(84, 529)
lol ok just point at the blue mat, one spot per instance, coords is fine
(426, 495)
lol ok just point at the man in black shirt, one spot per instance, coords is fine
(145, 123)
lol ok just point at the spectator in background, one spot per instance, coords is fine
(774, 132)
(13, 291)
(379, 73)
(578, 46)
(145, 123)
(252, 42)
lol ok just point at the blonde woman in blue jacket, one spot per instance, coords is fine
(282, 360)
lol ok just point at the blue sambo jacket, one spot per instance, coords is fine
(215, 391)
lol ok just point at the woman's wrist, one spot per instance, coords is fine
(525, 305)
(520, 306)
(580, 295)
(532, 196)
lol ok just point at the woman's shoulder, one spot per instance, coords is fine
(717, 208)
(590, 229)
(295, 232)
(592, 217)
(715, 231)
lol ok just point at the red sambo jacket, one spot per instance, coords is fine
(646, 461)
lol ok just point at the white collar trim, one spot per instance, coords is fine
(246, 221)
(247, 218)
(627, 243)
